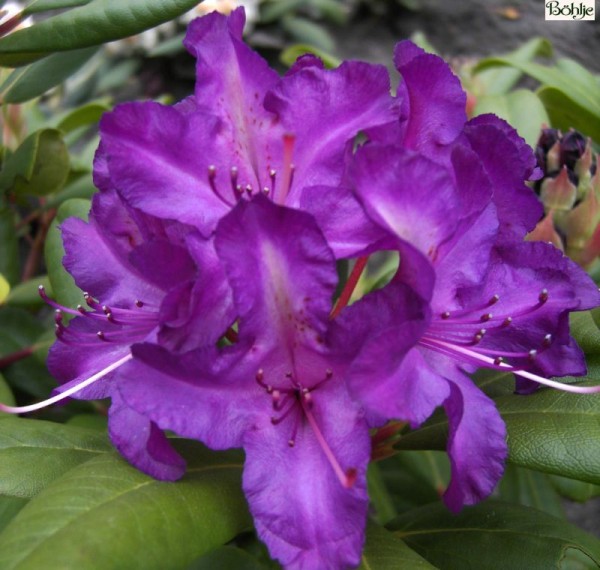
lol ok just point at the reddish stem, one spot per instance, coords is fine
(349, 287)
(16, 356)
(231, 335)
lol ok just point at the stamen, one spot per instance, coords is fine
(346, 478)
(498, 363)
(52, 303)
(288, 168)
(66, 393)
(212, 176)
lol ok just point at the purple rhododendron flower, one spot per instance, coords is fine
(209, 265)
(279, 391)
(457, 195)
(247, 131)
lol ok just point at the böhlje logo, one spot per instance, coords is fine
(570, 10)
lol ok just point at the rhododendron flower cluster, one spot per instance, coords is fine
(209, 265)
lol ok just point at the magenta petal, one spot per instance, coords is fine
(300, 508)
(142, 443)
(324, 110)
(280, 269)
(433, 101)
(476, 444)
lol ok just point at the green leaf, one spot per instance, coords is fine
(550, 431)
(6, 397)
(492, 535)
(34, 80)
(39, 166)
(94, 23)
(308, 32)
(63, 285)
(522, 108)
(9, 507)
(499, 81)
(105, 511)
(226, 558)
(290, 55)
(9, 245)
(559, 88)
(564, 114)
(33, 453)
(83, 116)
(530, 488)
(26, 294)
(575, 490)
(385, 551)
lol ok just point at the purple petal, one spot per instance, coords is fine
(433, 101)
(408, 195)
(300, 508)
(231, 79)
(150, 147)
(508, 162)
(324, 109)
(280, 269)
(341, 218)
(142, 443)
(193, 394)
(476, 444)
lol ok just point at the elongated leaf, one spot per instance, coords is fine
(6, 396)
(90, 24)
(226, 558)
(565, 115)
(385, 551)
(33, 453)
(9, 245)
(83, 116)
(34, 80)
(550, 431)
(499, 81)
(4, 288)
(26, 294)
(65, 290)
(105, 511)
(39, 166)
(494, 536)
(530, 488)
(9, 507)
(522, 108)
(575, 490)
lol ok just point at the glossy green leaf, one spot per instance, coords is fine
(579, 491)
(500, 80)
(26, 294)
(385, 551)
(565, 115)
(550, 431)
(104, 511)
(28, 82)
(9, 245)
(90, 24)
(33, 453)
(522, 108)
(9, 507)
(83, 116)
(39, 166)
(559, 89)
(226, 558)
(37, 6)
(530, 488)
(63, 285)
(494, 536)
